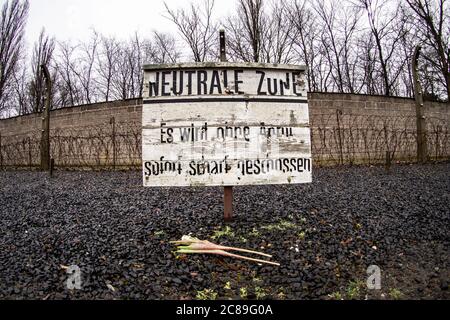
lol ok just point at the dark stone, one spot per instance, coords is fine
(106, 224)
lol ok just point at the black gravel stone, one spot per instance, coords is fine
(325, 235)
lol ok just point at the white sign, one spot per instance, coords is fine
(223, 124)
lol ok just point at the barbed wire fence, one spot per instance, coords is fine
(369, 139)
(337, 139)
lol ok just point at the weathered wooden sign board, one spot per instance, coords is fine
(225, 124)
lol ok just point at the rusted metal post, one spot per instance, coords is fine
(422, 150)
(52, 167)
(223, 53)
(228, 204)
(45, 136)
(228, 191)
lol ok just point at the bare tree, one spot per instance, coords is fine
(21, 96)
(368, 63)
(339, 25)
(42, 55)
(163, 49)
(12, 29)
(431, 19)
(135, 54)
(122, 71)
(387, 31)
(68, 84)
(245, 30)
(86, 67)
(406, 77)
(197, 28)
(348, 27)
(277, 41)
(355, 46)
(305, 39)
(107, 63)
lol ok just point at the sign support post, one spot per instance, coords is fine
(228, 191)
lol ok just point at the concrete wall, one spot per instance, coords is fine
(345, 128)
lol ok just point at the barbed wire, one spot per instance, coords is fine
(336, 139)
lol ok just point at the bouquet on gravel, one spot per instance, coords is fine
(191, 245)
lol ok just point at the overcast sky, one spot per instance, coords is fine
(73, 19)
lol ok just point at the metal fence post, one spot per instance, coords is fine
(422, 150)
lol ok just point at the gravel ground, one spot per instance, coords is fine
(325, 235)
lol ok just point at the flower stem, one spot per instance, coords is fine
(224, 253)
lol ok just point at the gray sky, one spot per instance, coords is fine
(73, 19)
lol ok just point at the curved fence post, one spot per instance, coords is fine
(45, 136)
(1, 154)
